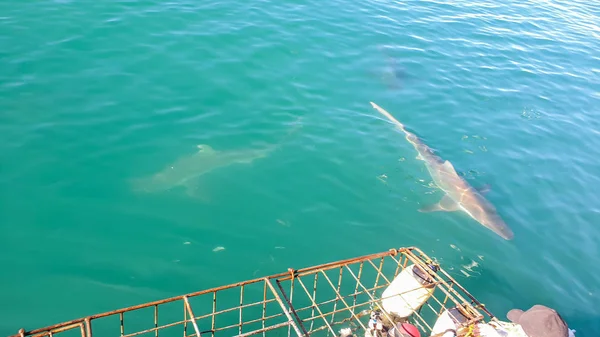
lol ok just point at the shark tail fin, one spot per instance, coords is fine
(288, 135)
(389, 116)
(297, 125)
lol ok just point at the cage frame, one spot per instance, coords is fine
(455, 296)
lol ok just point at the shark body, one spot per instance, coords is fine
(186, 171)
(459, 194)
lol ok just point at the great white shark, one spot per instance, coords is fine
(459, 194)
(187, 170)
(394, 75)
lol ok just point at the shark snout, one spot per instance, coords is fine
(499, 227)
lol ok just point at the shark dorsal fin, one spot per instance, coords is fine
(448, 166)
(206, 149)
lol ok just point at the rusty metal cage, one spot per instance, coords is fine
(312, 301)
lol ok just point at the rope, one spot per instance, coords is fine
(470, 331)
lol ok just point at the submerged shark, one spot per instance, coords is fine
(459, 195)
(395, 76)
(186, 171)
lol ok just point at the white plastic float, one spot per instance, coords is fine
(449, 319)
(407, 292)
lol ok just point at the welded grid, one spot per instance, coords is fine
(368, 278)
(223, 311)
(309, 301)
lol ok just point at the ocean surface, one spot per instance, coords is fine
(298, 168)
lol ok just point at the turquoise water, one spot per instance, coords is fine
(94, 95)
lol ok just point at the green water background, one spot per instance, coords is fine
(96, 93)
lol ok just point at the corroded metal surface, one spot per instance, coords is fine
(300, 302)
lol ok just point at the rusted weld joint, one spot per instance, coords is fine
(394, 251)
(22, 332)
(292, 272)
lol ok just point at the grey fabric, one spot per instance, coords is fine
(539, 321)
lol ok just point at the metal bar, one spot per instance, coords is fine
(184, 320)
(263, 330)
(281, 276)
(396, 272)
(368, 293)
(235, 325)
(331, 265)
(339, 310)
(337, 292)
(189, 309)
(241, 304)
(64, 328)
(291, 308)
(379, 273)
(232, 309)
(443, 305)
(287, 314)
(289, 302)
(443, 280)
(156, 320)
(315, 304)
(88, 327)
(214, 309)
(180, 322)
(333, 300)
(446, 288)
(153, 329)
(378, 270)
(312, 312)
(264, 308)
(360, 269)
(434, 276)
(232, 325)
(122, 318)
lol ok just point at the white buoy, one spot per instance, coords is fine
(407, 292)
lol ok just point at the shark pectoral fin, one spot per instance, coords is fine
(445, 205)
(484, 189)
(431, 208)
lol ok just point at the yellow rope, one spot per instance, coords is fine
(470, 331)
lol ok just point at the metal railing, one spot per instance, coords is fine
(311, 301)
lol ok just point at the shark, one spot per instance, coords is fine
(459, 195)
(187, 170)
(394, 76)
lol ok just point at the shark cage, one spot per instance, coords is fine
(315, 301)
